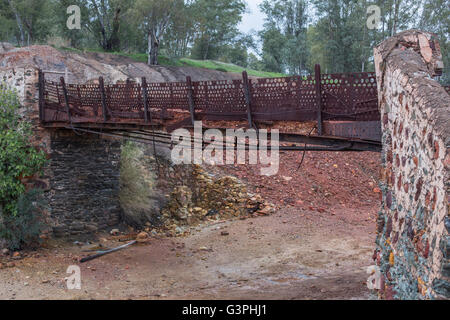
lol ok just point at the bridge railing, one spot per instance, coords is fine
(339, 97)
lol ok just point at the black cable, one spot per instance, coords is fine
(304, 151)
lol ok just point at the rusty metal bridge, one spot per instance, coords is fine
(344, 106)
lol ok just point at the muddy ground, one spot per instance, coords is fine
(317, 245)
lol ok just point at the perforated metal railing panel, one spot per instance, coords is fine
(342, 97)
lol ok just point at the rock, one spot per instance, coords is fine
(179, 230)
(91, 227)
(5, 252)
(142, 237)
(115, 232)
(5, 47)
(16, 254)
(224, 233)
(44, 236)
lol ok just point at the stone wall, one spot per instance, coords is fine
(81, 179)
(171, 199)
(413, 240)
(84, 187)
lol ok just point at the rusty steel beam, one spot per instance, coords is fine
(248, 98)
(365, 130)
(318, 87)
(190, 92)
(332, 142)
(41, 95)
(66, 98)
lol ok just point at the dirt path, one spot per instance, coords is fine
(293, 254)
(318, 245)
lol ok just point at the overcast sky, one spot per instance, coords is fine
(254, 19)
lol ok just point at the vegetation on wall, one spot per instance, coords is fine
(19, 208)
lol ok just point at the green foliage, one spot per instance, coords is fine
(23, 230)
(17, 158)
(284, 36)
(216, 25)
(297, 34)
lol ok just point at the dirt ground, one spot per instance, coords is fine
(317, 245)
(288, 255)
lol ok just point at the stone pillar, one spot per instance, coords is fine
(413, 240)
(84, 186)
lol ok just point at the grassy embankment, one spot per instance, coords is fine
(187, 62)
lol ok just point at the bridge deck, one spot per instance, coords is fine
(342, 104)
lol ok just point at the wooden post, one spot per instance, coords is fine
(101, 87)
(145, 97)
(41, 95)
(318, 98)
(248, 98)
(66, 98)
(190, 92)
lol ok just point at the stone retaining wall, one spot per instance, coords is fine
(81, 179)
(413, 240)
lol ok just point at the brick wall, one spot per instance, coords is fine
(413, 224)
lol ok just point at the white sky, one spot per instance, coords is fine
(254, 19)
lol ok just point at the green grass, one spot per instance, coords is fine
(228, 67)
(187, 62)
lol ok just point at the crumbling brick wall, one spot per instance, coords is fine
(413, 240)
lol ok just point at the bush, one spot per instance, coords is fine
(23, 229)
(18, 159)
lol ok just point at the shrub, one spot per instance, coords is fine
(24, 228)
(18, 159)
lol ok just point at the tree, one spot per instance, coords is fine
(216, 25)
(8, 23)
(104, 22)
(31, 19)
(180, 32)
(237, 51)
(273, 42)
(288, 19)
(154, 17)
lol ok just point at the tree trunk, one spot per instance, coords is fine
(19, 23)
(113, 43)
(153, 49)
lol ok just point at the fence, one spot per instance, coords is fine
(339, 97)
